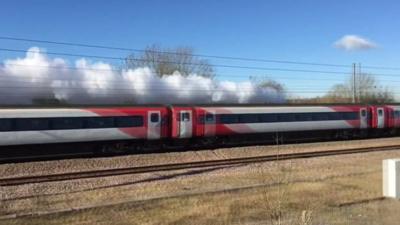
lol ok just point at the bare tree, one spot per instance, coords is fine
(267, 83)
(49, 101)
(339, 93)
(164, 61)
(367, 89)
(272, 84)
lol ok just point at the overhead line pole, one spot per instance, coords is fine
(359, 83)
(354, 83)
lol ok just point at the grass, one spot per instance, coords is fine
(309, 191)
(239, 206)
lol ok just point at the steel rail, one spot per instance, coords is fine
(186, 165)
(29, 158)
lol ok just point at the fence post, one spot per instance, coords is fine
(391, 178)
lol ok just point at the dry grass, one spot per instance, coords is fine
(245, 206)
(306, 191)
(59, 166)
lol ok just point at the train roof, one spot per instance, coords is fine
(182, 105)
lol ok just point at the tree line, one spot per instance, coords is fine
(166, 61)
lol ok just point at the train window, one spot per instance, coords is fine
(129, 121)
(268, 118)
(66, 123)
(201, 119)
(397, 114)
(380, 112)
(286, 117)
(5, 124)
(334, 116)
(303, 117)
(248, 118)
(363, 113)
(154, 118)
(350, 115)
(99, 122)
(26, 124)
(185, 116)
(228, 118)
(317, 116)
(209, 117)
(323, 116)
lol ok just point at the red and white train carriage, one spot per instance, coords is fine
(65, 125)
(172, 124)
(216, 121)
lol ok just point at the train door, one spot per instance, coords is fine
(154, 125)
(209, 124)
(380, 123)
(363, 118)
(185, 124)
(396, 117)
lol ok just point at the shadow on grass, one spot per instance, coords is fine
(158, 178)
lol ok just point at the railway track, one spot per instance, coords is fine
(14, 159)
(187, 165)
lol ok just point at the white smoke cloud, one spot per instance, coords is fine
(354, 43)
(36, 76)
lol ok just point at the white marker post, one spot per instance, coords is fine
(391, 178)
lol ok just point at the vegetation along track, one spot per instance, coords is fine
(187, 165)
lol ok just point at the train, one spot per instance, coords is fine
(132, 128)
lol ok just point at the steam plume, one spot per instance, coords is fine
(37, 76)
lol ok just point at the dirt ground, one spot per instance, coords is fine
(62, 166)
(344, 189)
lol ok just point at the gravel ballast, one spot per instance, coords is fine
(76, 165)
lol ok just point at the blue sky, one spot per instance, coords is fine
(283, 30)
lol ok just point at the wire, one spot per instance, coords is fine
(63, 54)
(227, 66)
(171, 89)
(185, 63)
(218, 75)
(136, 87)
(121, 95)
(15, 78)
(380, 74)
(381, 67)
(230, 66)
(76, 85)
(174, 53)
(30, 95)
(161, 61)
(43, 79)
(256, 68)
